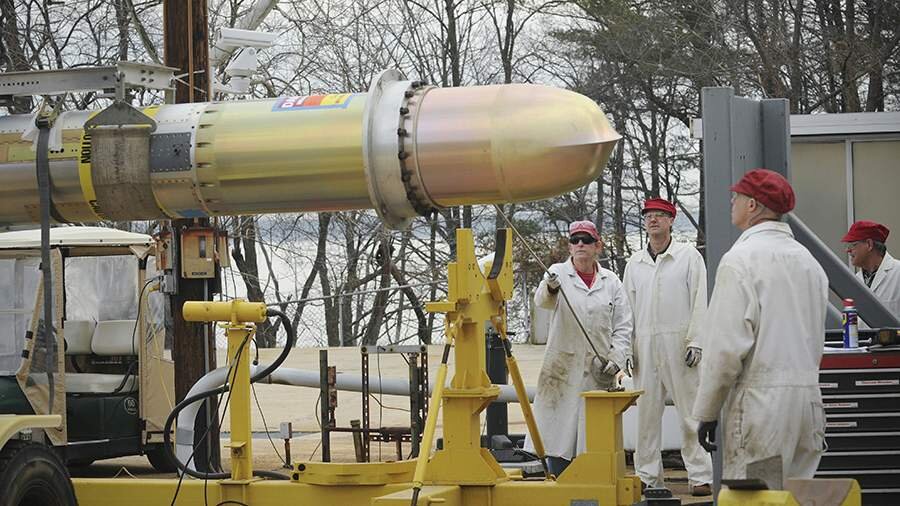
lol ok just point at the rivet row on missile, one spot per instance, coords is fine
(404, 149)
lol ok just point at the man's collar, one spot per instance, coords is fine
(766, 226)
(663, 252)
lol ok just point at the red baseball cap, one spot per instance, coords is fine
(659, 205)
(864, 229)
(768, 187)
(586, 227)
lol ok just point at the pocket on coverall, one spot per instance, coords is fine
(818, 424)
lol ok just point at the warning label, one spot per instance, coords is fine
(334, 101)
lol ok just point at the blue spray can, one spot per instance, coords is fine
(851, 327)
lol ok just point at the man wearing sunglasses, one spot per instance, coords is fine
(666, 286)
(570, 366)
(877, 268)
(763, 339)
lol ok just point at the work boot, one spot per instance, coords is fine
(701, 490)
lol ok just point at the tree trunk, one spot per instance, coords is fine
(243, 252)
(13, 53)
(332, 318)
(373, 329)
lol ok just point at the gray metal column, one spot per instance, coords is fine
(739, 135)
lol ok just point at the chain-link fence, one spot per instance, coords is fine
(356, 318)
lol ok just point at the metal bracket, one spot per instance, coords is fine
(120, 77)
(119, 114)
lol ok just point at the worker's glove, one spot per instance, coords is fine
(706, 434)
(603, 370)
(552, 281)
(629, 368)
(604, 367)
(692, 356)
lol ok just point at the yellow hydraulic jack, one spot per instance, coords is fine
(461, 472)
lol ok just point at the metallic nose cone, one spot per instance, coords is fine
(509, 143)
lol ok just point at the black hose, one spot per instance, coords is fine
(288, 345)
(170, 420)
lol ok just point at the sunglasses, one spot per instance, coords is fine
(583, 239)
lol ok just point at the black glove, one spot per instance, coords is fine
(706, 434)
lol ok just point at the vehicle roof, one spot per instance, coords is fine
(73, 236)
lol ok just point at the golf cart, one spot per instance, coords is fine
(103, 386)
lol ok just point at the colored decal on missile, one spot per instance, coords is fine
(311, 102)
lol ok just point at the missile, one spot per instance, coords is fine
(404, 148)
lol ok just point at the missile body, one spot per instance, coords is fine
(403, 148)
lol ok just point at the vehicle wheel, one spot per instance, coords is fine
(158, 458)
(31, 474)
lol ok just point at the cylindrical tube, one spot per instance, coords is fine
(403, 148)
(238, 311)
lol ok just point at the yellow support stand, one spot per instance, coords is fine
(470, 303)
(821, 492)
(237, 313)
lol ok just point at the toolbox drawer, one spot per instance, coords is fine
(861, 403)
(868, 478)
(862, 441)
(859, 381)
(861, 422)
(881, 497)
(855, 460)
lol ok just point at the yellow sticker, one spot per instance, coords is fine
(84, 172)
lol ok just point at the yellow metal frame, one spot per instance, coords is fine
(10, 425)
(460, 473)
(849, 495)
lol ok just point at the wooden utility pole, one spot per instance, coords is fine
(186, 35)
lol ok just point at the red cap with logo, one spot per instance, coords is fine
(586, 227)
(659, 205)
(769, 188)
(864, 229)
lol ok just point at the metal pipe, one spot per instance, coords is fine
(184, 436)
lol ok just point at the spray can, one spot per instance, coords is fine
(851, 328)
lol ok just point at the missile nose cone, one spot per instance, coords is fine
(491, 144)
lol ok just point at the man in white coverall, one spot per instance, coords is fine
(877, 268)
(763, 339)
(666, 286)
(570, 366)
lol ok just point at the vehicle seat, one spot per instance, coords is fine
(115, 337)
(110, 338)
(78, 335)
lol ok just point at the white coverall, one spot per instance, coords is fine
(763, 338)
(668, 300)
(566, 370)
(886, 285)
